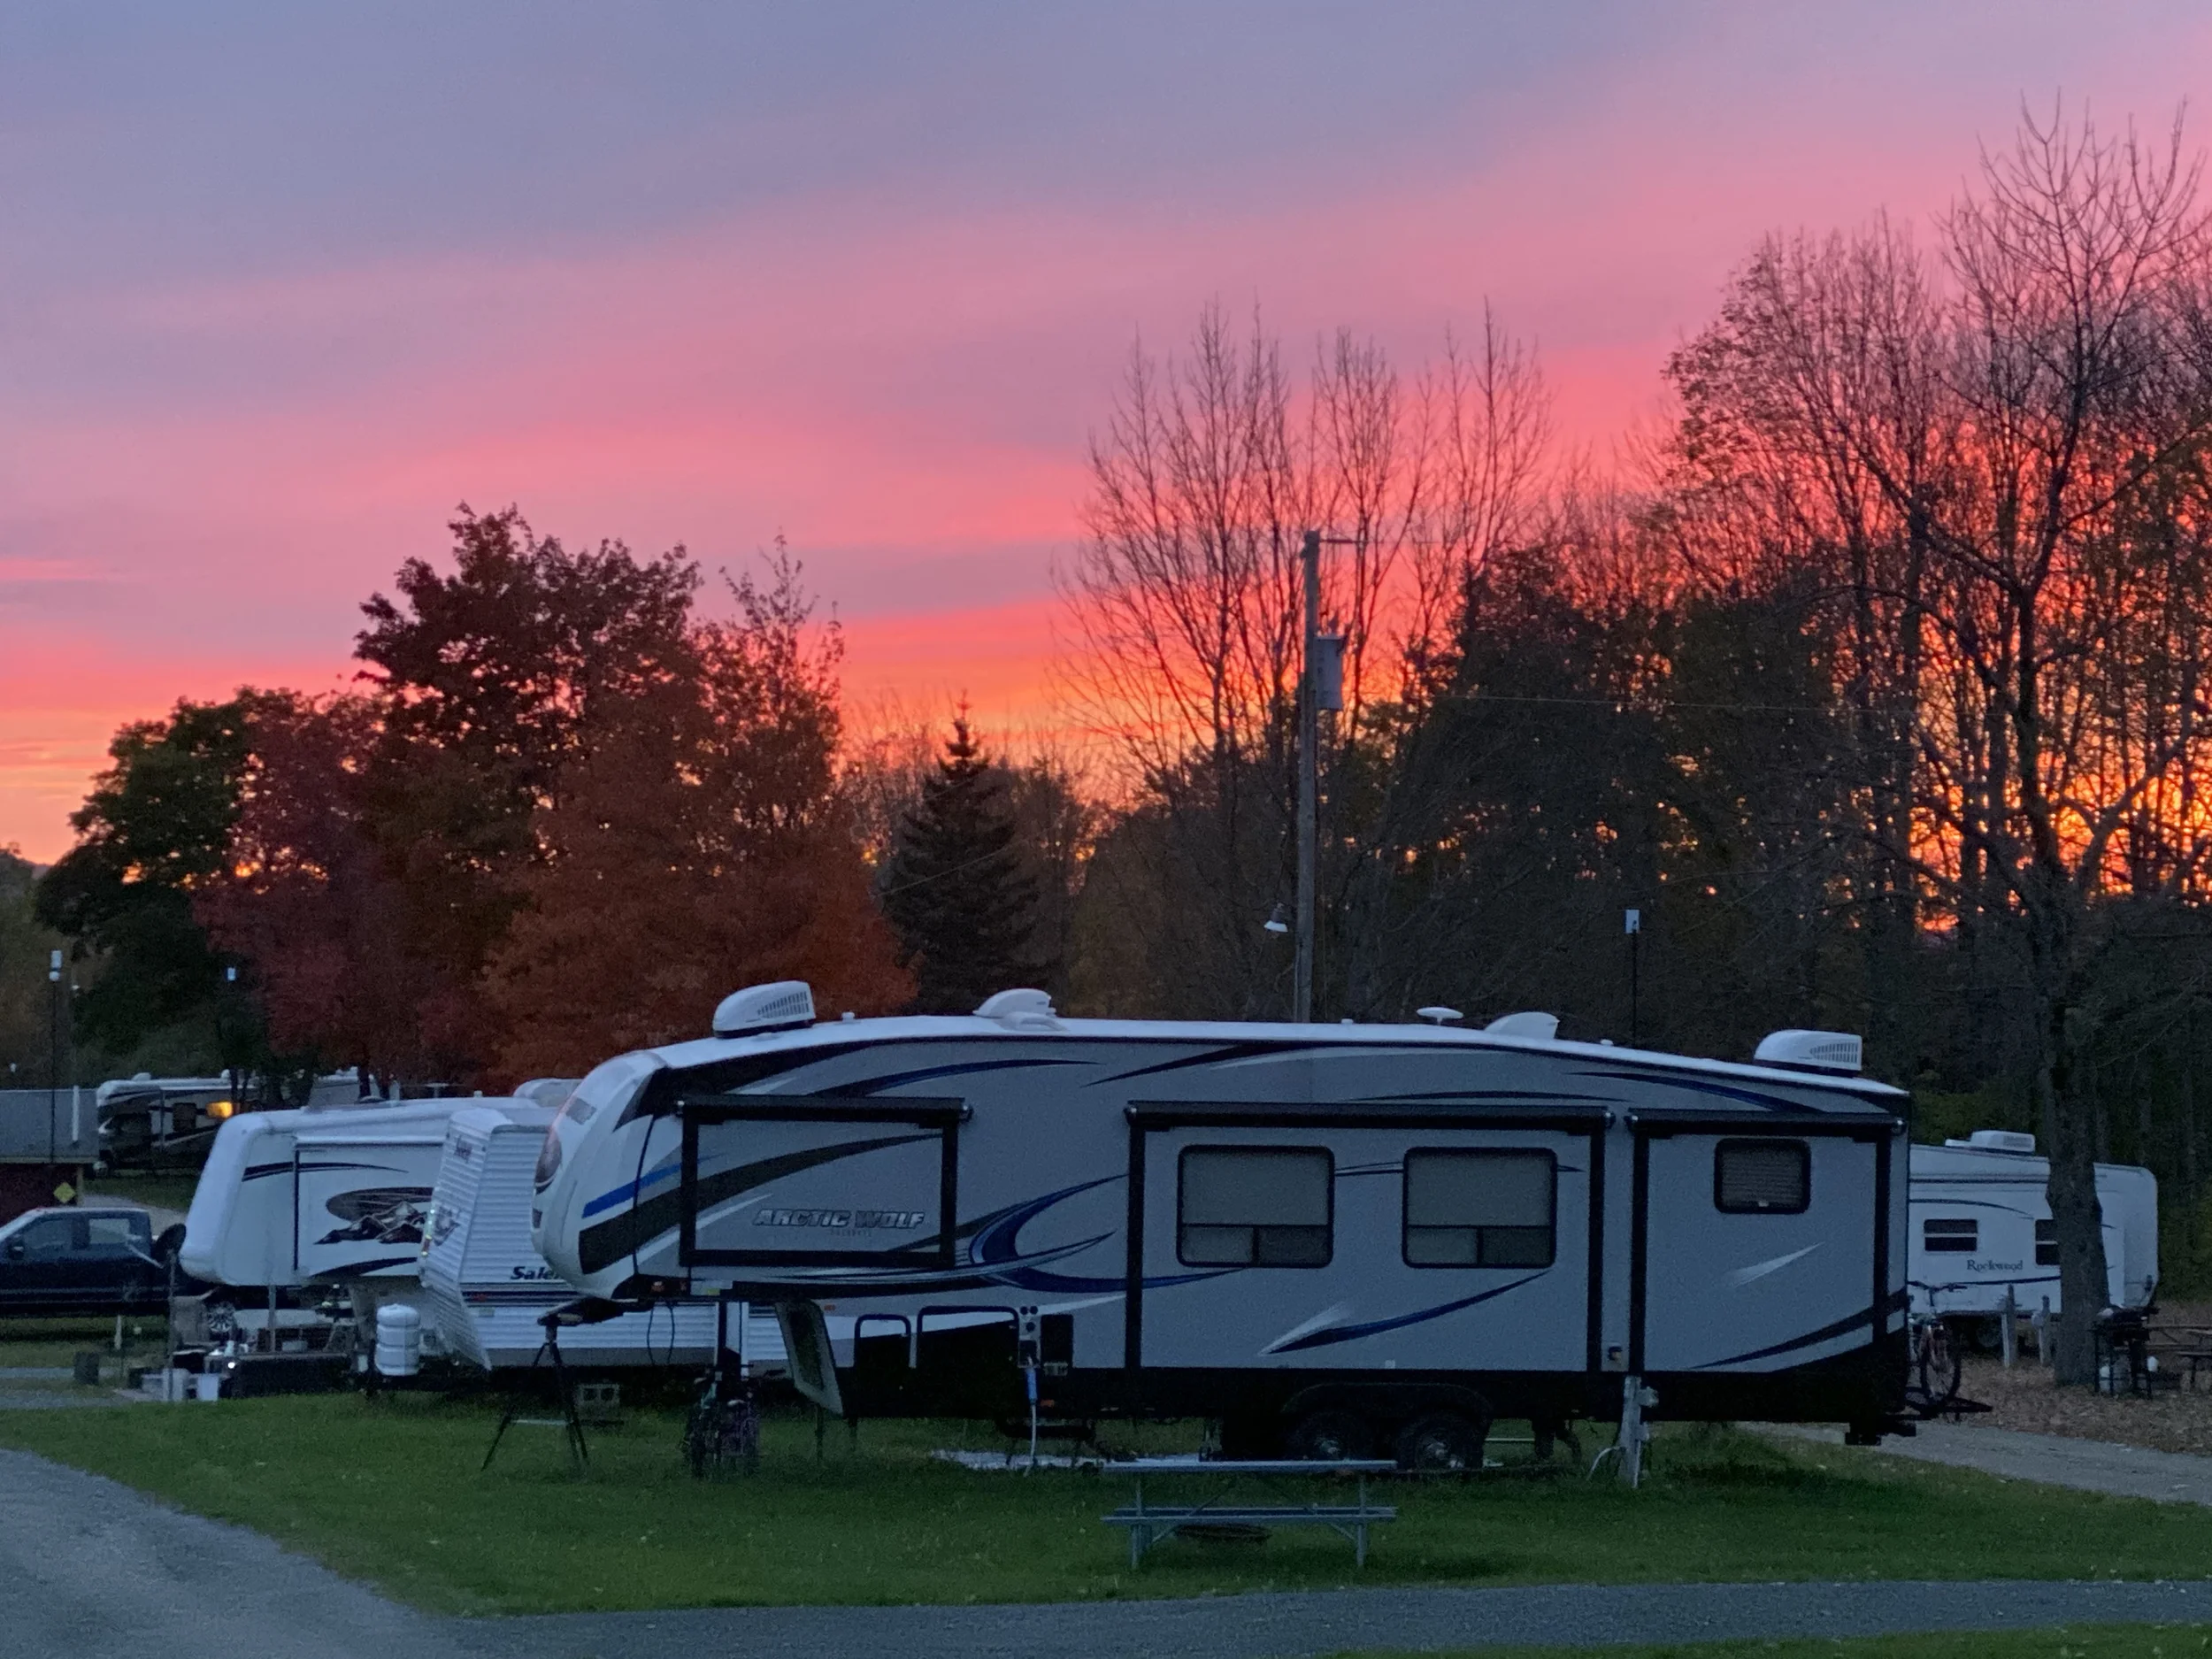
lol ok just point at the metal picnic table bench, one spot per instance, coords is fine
(1148, 1526)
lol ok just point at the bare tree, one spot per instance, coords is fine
(1998, 464)
(1185, 608)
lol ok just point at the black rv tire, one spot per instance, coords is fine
(1328, 1435)
(1441, 1443)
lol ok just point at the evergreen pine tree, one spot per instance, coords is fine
(958, 887)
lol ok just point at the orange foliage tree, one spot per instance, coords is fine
(702, 843)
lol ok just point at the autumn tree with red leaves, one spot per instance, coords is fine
(700, 843)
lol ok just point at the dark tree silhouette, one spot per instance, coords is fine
(958, 888)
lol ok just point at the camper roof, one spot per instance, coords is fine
(848, 1031)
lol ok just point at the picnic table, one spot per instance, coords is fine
(1148, 1525)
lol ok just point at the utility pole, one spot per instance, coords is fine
(1320, 686)
(1309, 777)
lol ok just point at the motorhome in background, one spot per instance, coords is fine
(1981, 1226)
(1323, 1236)
(160, 1123)
(170, 1123)
(486, 1287)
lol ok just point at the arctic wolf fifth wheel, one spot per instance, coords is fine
(1330, 1239)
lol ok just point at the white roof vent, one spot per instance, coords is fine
(1997, 1141)
(1436, 1014)
(777, 1006)
(1813, 1050)
(1024, 1009)
(1541, 1027)
(548, 1091)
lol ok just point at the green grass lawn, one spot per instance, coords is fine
(47, 1343)
(2117, 1642)
(389, 1491)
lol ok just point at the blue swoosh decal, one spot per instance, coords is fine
(630, 1189)
(996, 1247)
(1750, 1097)
(899, 1079)
(1352, 1333)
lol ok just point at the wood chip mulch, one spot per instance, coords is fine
(2025, 1398)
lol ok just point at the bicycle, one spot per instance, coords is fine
(1934, 1365)
(723, 1428)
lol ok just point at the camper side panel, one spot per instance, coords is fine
(360, 1202)
(238, 1229)
(1437, 1248)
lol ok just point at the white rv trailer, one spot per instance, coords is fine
(1981, 1224)
(321, 1195)
(1319, 1235)
(486, 1287)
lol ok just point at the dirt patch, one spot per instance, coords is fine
(2025, 1398)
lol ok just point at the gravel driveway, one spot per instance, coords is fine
(88, 1567)
(2053, 1460)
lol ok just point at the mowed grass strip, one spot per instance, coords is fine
(2088, 1642)
(389, 1491)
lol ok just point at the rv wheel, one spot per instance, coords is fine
(1440, 1442)
(1324, 1437)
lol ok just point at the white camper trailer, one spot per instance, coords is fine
(290, 1198)
(1319, 1235)
(1981, 1226)
(328, 1195)
(487, 1288)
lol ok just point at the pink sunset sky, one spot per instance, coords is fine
(280, 285)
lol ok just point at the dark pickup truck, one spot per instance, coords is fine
(85, 1261)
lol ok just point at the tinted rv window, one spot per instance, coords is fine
(1951, 1235)
(1479, 1208)
(1255, 1207)
(1773, 1177)
(2046, 1244)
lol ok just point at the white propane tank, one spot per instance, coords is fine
(398, 1340)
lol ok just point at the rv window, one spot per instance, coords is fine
(1951, 1235)
(1479, 1208)
(2046, 1243)
(1255, 1207)
(1766, 1178)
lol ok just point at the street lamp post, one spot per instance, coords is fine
(53, 1069)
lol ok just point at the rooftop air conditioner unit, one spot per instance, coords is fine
(1542, 1027)
(1997, 1141)
(1810, 1051)
(778, 1006)
(1022, 1009)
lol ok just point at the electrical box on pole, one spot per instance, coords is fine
(1328, 672)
